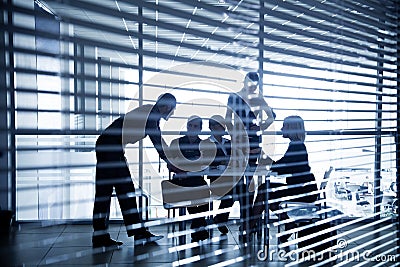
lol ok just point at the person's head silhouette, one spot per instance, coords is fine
(251, 81)
(166, 104)
(217, 125)
(293, 128)
(194, 125)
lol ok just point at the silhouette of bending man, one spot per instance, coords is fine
(112, 170)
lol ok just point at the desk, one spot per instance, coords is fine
(266, 176)
(227, 179)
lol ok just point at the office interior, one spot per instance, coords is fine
(70, 68)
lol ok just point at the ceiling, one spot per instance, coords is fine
(190, 40)
(214, 30)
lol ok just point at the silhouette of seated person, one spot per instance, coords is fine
(183, 150)
(222, 148)
(294, 163)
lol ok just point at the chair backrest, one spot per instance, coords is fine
(324, 182)
(327, 173)
(323, 185)
(175, 196)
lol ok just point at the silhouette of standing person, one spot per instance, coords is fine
(243, 120)
(112, 170)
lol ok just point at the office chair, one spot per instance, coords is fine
(178, 197)
(304, 212)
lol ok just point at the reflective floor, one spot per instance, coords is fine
(35, 244)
